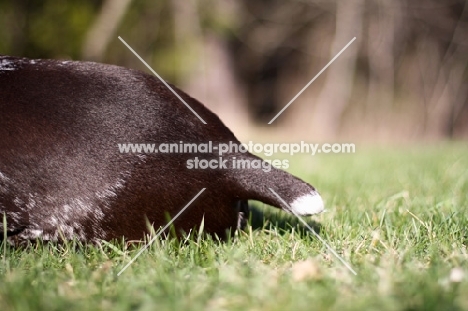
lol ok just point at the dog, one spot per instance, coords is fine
(63, 177)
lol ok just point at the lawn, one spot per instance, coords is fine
(398, 216)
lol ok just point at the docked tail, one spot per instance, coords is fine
(300, 197)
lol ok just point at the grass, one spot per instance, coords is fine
(399, 217)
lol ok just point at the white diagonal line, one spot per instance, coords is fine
(160, 232)
(304, 88)
(165, 83)
(315, 233)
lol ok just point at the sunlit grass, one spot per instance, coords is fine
(399, 217)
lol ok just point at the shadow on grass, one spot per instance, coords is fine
(266, 217)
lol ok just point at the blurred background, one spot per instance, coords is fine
(404, 78)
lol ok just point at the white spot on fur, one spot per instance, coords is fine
(67, 221)
(18, 202)
(52, 220)
(3, 177)
(31, 202)
(6, 64)
(142, 157)
(15, 216)
(62, 219)
(308, 204)
(31, 234)
(110, 192)
(4, 181)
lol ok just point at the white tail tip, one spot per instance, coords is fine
(308, 204)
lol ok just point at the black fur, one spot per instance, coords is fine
(61, 173)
